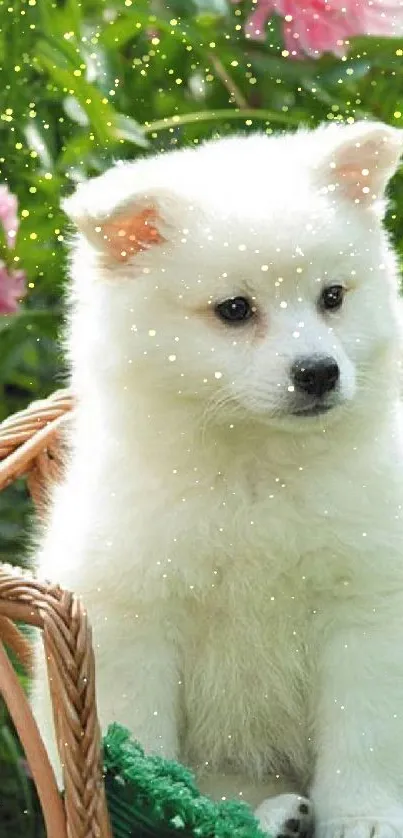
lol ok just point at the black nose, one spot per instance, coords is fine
(316, 375)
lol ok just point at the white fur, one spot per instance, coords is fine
(243, 568)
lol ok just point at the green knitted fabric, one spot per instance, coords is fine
(149, 797)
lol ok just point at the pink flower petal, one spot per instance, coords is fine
(317, 26)
(12, 288)
(256, 24)
(8, 214)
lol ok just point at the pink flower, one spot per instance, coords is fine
(8, 214)
(317, 26)
(12, 282)
(12, 288)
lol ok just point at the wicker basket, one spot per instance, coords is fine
(29, 448)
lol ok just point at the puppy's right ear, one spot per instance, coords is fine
(360, 159)
(139, 222)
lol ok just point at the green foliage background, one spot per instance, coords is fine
(83, 84)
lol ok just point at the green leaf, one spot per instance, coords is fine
(127, 27)
(74, 110)
(27, 319)
(222, 115)
(208, 20)
(36, 140)
(107, 125)
(128, 129)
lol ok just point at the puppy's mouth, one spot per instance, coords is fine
(316, 409)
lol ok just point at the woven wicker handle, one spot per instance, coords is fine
(29, 446)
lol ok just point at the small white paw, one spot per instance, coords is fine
(286, 816)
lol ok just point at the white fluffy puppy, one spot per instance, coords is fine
(232, 508)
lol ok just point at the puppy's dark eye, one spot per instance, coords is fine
(331, 298)
(235, 311)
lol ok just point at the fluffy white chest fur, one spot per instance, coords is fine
(232, 507)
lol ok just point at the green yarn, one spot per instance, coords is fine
(150, 797)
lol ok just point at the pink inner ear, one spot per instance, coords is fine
(130, 233)
(352, 179)
(358, 182)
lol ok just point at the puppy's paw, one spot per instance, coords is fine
(361, 827)
(286, 816)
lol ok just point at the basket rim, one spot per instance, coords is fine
(28, 433)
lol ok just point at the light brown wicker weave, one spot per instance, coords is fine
(30, 447)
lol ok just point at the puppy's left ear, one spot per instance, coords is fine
(363, 158)
(120, 232)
